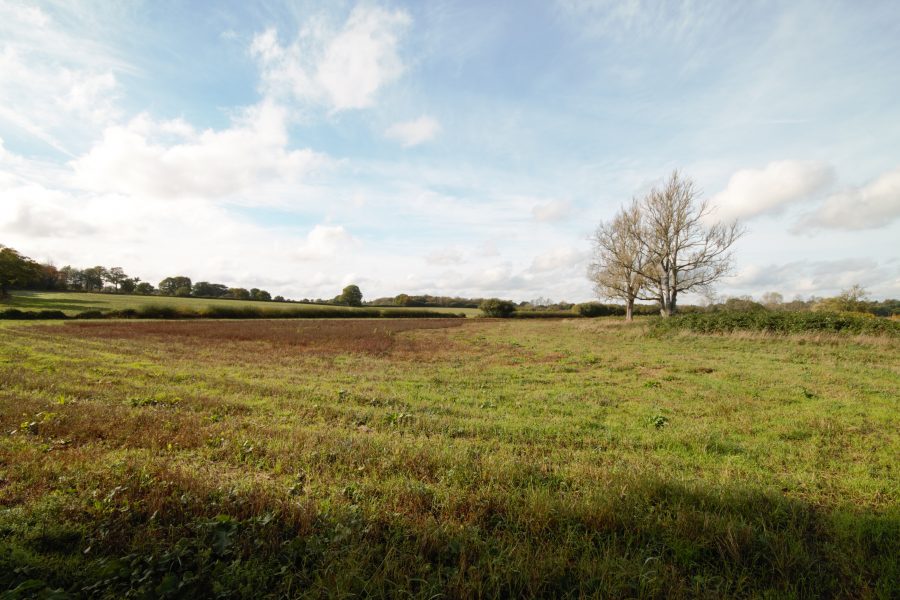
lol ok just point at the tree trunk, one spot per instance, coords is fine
(629, 310)
(667, 301)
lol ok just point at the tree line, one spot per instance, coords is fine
(18, 271)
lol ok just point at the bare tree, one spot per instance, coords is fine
(619, 258)
(681, 252)
(772, 300)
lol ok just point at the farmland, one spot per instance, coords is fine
(72, 303)
(445, 458)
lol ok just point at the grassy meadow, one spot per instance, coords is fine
(444, 459)
(72, 303)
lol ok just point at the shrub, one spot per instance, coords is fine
(779, 322)
(596, 309)
(408, 313)
(542, 314)
(19, 315)
(50, 314)
(90, 314)
(158, 312)
(494, 307)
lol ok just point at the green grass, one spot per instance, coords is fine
(517, 458)
(73, 303)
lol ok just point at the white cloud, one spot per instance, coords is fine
(555, 210)
(170, 159)
(754, 192)
(817, 277)
(559, 259)
(415, 132)
(325, 241)
(445, 256)
(35, 211)
(48, 89)
(343, 69)
(874, 205)
(191, 236)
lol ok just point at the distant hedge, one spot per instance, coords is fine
(543, 314)
(228, 312)
(598, 309)
(779, 322)
(16, 314)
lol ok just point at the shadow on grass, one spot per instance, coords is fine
(44, 301)
(638, 538)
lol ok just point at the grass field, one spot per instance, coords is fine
(434, 458)
(73, 303)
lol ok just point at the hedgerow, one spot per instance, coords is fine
(779, 322)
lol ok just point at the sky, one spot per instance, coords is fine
(450, 148)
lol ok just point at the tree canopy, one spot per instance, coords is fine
(350, 296)
(16, 270)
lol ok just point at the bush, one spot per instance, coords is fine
(90, 314)
(595, 309)
(20, 315)
(543, 314)
(159, 312)
(50, 314)
(408, 313)
(779, 322)
(494, 307)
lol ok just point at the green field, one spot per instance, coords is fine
(73, 303)
(444, 459)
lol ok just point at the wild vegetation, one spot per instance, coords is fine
(455, 458)
(780, 322)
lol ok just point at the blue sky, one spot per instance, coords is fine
(464, 148)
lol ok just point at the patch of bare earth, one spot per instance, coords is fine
(314, 335)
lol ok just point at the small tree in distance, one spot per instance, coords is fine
(175, 286)
(350, 296)
(494, 307)
(15, 270)
(144, 288)
(115, 276)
